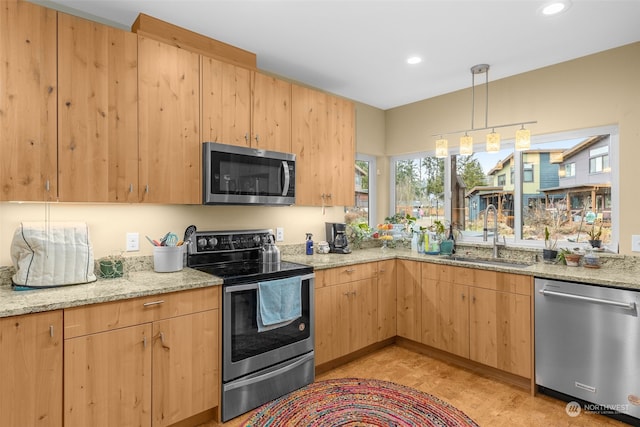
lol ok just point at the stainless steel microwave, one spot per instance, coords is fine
(236, 175)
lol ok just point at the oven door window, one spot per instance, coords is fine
(247, 342)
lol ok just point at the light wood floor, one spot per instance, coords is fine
(489, 402)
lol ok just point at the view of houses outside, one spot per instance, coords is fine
(565, 186)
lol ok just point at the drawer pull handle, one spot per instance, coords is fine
(51, 331)
(152, 303)
(350, 270)
(144, 342)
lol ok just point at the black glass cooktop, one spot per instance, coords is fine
(235, 272)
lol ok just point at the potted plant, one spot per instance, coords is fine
(594, 235)
(569, 257)
(549, 253)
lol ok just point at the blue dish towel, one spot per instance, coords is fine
(279, 303)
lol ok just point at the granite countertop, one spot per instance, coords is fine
(618, 276)
(146, 282)
(134, 284)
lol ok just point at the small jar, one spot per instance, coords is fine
(591, 260)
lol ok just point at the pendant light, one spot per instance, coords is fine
(493, 142)
(523, 139)
(442, 149)
(466, 145)
(523, 136)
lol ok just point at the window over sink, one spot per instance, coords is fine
(567, 182)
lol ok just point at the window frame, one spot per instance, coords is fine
(373, 185)
(517, 240)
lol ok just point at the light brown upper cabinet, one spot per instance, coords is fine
(97, 112)
(322, 132)
(28, 91)
(271, 113)
(245, 108)
(169, 125)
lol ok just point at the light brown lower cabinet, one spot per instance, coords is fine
(409, 300)
(346, 301)
(477, 314)
(31, 360)
(149, 361)
(387, 294)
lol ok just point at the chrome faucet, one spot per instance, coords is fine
(485, 234)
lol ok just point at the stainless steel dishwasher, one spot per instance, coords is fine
(587, 341)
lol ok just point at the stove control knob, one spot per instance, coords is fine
(202, 243)
(257, 241)
(213, 242)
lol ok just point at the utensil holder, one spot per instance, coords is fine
(167, 259)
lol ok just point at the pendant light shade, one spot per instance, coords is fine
(523, 139)
(466, 145)
(442, 149)
(523, 136)
(493, 142)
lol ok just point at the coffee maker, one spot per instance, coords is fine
(337, 237)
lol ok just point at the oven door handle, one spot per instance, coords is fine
(250, 286)
(267, 375)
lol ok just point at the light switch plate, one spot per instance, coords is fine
(279, 234)
(635, 243)
(133, 242)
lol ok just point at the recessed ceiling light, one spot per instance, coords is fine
(555, 7)
(414, 60)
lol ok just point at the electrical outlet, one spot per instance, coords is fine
(279, 234)
(133, 242)
(635, 243)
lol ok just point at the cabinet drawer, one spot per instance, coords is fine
(349, 273)
(90, 319)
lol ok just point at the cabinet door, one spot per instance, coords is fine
(386, 299)
(185, 367)
(500, 330)
(31, 357)
(342, 151)
(107, 378)
(408, 299)
(28, 102)
(363, 313)
(271, 113)
(226, 103)
(327, 325)
(309, 137)
(169, 124)
(452, 318)
(97, 112)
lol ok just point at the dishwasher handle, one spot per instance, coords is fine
(626, 305)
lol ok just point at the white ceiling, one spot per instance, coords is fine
(358, 49)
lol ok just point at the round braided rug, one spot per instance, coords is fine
(357, 403)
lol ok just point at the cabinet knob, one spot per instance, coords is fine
(462, 297)
(246, 138)
(257, 138)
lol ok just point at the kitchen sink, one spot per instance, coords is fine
(501, 262)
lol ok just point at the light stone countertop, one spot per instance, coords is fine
(134, 284)
(621, 275)
(625, 275)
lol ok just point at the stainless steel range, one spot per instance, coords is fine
(259, 362)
